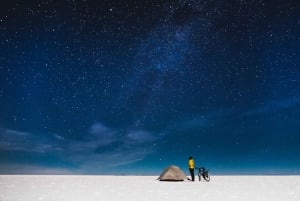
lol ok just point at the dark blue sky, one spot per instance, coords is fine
(101, 87)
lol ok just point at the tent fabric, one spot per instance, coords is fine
(172, 173)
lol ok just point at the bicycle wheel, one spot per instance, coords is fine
(199, 176)
(207, 177)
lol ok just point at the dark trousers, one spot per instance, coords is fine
(192, 173)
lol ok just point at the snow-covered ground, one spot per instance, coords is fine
(147, 188)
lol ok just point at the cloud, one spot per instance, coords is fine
(101, 149)
(12, 140)
(99, 129)
(140, 136)
(102, 134)
(120, 148)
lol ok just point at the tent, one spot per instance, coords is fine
(172, 173)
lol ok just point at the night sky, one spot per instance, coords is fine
(130, 87)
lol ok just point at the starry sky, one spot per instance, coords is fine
(130, 87)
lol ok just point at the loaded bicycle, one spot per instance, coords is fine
(203, 173)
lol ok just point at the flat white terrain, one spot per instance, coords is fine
(147, 188)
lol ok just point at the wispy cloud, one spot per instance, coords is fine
(12, 140)
(101, 134)
(140, 136)
(102, 148)
(111, 148)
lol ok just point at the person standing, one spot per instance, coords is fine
(192, 167)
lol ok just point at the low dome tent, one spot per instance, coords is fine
(172, 173)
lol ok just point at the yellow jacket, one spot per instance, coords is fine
(192, 164)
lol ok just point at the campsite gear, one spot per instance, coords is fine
(202, 172)
(172, 173)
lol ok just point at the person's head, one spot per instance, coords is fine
(190, 157)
